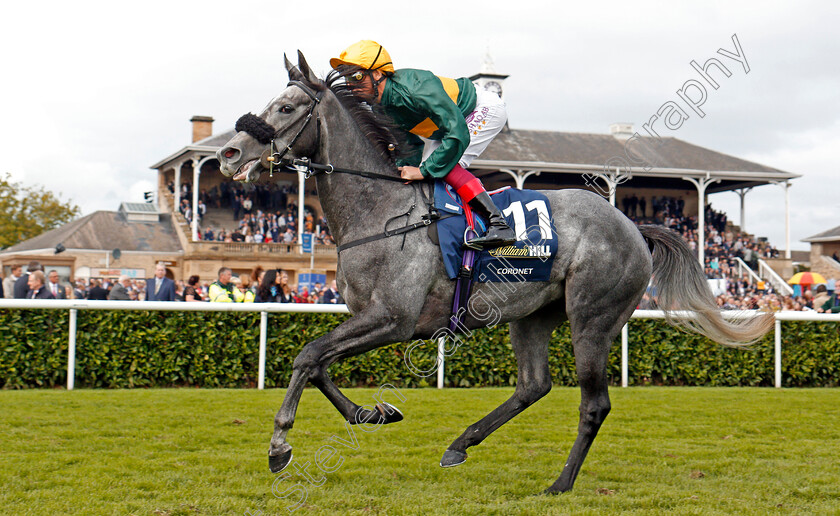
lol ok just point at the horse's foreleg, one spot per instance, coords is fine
(382, 414)
(529, 338)
(371, 328)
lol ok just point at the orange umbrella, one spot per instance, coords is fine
(806, 278)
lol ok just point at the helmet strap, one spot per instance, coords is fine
(376, 83)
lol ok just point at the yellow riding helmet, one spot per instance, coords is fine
(367, 54)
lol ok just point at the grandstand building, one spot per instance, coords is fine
(825, 252)
(618, 164)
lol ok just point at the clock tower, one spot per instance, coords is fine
(488, 78)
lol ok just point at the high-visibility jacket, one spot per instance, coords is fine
(225, 293)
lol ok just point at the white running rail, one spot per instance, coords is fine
(265, 308)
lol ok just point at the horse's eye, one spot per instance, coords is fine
(288, 108)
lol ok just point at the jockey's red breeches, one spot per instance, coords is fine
(466, 185)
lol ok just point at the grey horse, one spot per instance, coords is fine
(396, 294)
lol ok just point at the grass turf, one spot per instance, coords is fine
(680, 450)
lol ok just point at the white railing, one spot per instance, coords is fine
(777, 281)
(265, 308)
(74, 305)
(743, 265)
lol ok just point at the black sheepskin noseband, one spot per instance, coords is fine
(256, 127)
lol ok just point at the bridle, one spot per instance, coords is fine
(260, 130)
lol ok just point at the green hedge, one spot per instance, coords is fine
(116, 349)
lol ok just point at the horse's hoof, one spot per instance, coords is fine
(391, 413)
(452, 458)
(277, 463)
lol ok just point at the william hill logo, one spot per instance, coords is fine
(528, 251)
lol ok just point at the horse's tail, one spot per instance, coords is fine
(681, 285)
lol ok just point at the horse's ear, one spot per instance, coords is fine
(307, 72)
(294, 73)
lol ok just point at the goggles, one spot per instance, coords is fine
(356, 77)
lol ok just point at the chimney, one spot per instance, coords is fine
(621, 130)
(202, 127)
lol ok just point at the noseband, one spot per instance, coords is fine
(262, 131)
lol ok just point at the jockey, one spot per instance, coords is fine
(450, 119)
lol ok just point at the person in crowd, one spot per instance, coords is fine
(9, 281)
(121, 291)
(160, 288)
(223, 290)
(192, 292)
(456, 121)
(245, 288)
(332, 296)
(289, 236)
(830, 303)
(257, 277)
(53, 285)
(179, 290)
(37, 289)
(286, 293)
(21, 289)
(269, 287)
(97, 293)
(820, 298)
(318, 290)
(80, 289)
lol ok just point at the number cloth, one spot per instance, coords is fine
(526, 211)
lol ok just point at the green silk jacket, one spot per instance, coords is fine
(434, 108)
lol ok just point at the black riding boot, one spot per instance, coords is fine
(498, 232)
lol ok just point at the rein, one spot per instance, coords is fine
(426, 220)
(265, 134)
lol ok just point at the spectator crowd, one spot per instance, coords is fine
(260, 286)
(723, 245)
(263, 213)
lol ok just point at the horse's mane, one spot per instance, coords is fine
(375, 124)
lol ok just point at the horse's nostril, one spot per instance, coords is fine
(229, 153)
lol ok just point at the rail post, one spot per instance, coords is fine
(624, 353)
(778, 353)
(263, 337)
(440, 376)
(71, 351)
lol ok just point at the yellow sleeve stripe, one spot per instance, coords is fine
(427, 128)
(451, 88)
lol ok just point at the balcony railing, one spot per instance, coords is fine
(243, 248)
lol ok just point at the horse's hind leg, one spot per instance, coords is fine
(529, 338)
(592, 337)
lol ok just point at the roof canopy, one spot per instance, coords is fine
(565, 157)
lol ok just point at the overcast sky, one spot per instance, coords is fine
(96, 92)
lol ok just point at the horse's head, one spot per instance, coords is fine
(287, 127)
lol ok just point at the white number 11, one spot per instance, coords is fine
(518, 213)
